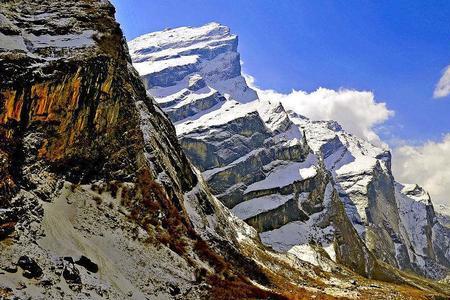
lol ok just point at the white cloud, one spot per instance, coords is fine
(443, 87)
(427, 165)
(356, 111)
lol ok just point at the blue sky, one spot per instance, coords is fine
(396, 49)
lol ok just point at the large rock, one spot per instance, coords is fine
(30, 267)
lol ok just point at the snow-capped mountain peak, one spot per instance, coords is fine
(168, 59)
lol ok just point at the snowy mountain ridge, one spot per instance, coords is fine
(285, 175)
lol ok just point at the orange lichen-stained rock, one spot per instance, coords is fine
(50, 99)
(12, 106)
(80, 114)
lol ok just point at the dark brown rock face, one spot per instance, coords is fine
(77, 105)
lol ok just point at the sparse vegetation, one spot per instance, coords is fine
(150, 206)
(99, 188)
(155, 211)
(5, 293)
(205, 252)
(127, 196)
(112, 187)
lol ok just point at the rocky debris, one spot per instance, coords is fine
(30, 267)
(21, 286)
(23, 210)
(70, 273)
(10, 268)
(46, 282)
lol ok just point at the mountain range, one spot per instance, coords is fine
(307, 187)
(151, 170)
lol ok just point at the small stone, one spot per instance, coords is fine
(76, 287)
(46, 282)
(10, 268)
(21, 285)
(174, 290)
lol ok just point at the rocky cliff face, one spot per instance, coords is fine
(308, 188)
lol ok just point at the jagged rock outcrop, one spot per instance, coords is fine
(307, 187)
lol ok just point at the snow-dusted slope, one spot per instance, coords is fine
(443, 214)
(299, 183)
